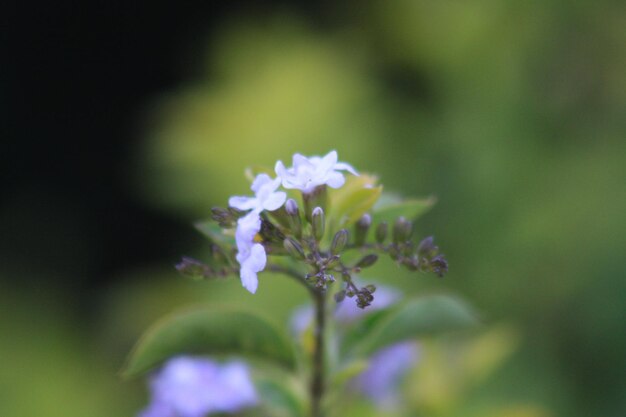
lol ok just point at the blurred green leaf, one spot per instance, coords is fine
(349, 371)
(410, 209)
(211, 332)
(278, 398)
(414, 318)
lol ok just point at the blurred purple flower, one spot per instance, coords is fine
(348, 311)
(381, 380)
(195, 387)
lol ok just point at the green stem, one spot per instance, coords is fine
(317, 380)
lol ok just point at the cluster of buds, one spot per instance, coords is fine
(299, 228)
(422, 257)
(226, 217)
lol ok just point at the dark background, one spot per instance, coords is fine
(76, 77)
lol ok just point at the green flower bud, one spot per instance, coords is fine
(294, 248)
(224, 217)
(317, 221)
(293, 215)
(427, 247)
(402, 230)
(339, 242)
(367, 260)
(381, 232)
(360, 229)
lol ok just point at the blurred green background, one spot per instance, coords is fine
(513, 114)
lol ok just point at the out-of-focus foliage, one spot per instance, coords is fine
(510, 113)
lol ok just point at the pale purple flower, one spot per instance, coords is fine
(250, 255)
(387, 367)
(301, 319)
(345, 311)
(265, 195)
(195, 387)
(308, 173)
(348, 311)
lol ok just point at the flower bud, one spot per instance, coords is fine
(317, 221)
(364, 297)
(402, 230)
(295, 223)
(367, 260)
(381, 232)
(294, 248)
(427, 247)
(439, 265)
(292, 207)
(224, 217)
(339, 242)
(360, 229)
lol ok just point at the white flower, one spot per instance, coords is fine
(308, 173)
(265, 195)
(250, 255)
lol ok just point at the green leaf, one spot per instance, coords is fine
(349, 371)
(410, 209)
(412, 319)
(278, 397)
(211, 332)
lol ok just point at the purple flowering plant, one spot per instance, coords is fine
(321, 223)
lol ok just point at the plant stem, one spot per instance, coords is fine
(317, 380)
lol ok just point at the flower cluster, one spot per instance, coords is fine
(312, 228)
(195, 387)
(306, 174)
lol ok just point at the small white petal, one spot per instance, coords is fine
(280, 169)
(328, 162)
(253, 264)
(260, 181)
(300, 160)
(258, 258)
(342, 166)
(274, 201)
(335, 180)
(249, 280)
(242, 203)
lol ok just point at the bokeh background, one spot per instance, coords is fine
(125, 122)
